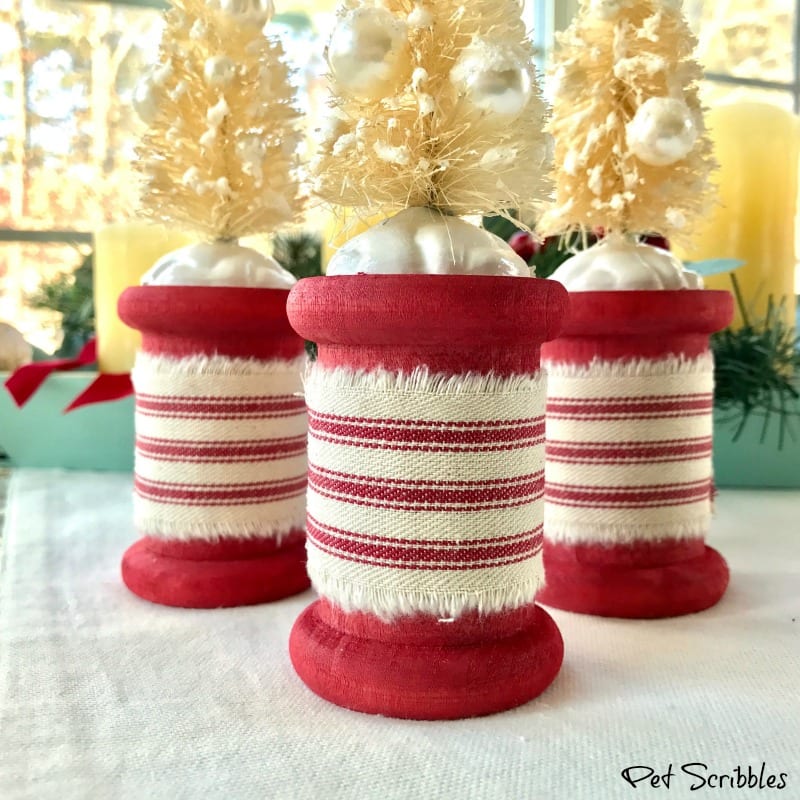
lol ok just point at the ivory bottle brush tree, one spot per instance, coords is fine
(220, 468)
(219, 156)
(436, 113)
(426, 401)
(632, 156)
(628, 482)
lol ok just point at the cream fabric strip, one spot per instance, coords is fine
(220, 448)
(629, 450)
(425, 493)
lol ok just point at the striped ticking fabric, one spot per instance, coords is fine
(629, 450)
(220, 448)
(425, 493)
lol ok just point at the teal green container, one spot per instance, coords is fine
(748, 462)
(95, 437)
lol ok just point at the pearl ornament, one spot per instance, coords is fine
(249, 12)
(492, 81)
(219, 70)
(144, 100)
(663, 131)
(368, 52)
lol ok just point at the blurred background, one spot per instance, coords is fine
(67, 128)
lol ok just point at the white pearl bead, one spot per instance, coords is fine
(144, 101)
(251, 12)
(492, 82)
(367, 52)
(662, 131)
(219, 70)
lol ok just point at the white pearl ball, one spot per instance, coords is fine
(492, 82)
(662, 131)
(249, 12)
(219, 70)
(145, 102)
(367, 52)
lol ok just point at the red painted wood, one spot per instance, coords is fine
(611, 589)
(233, 322)
(639, 324)
(423, 668)
(636, 554)
(209, 320)
(223, 549)
(452, 324)
(645, 579)
(234, 575)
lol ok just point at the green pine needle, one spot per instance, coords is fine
(71, 294)
(300, 254)
(755, 371)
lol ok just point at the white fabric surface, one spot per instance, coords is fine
(105, 697)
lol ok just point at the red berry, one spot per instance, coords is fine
(524, 245)
(656, 241)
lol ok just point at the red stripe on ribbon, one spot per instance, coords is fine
(219, 407)
(630, 408)
(427, 493)
(523, 443)
(422, 423)
(622, 453)
(369, 537)
(424, 554)
(630, 497)
(214, 495)
(423, 482)
(366, 429)
(395, 506)
(221, 452)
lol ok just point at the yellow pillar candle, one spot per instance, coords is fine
(123, 252)
(756, 145)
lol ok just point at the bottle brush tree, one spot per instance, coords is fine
(632, 156)
(219, 155)
(436, 110)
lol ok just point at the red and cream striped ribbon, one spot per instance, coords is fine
(425, 491)
(629, 450)
(220, 447)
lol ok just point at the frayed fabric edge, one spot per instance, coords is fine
(389, 605)
(214, 365)
(632, 368)
(419, 381)
(216, 532)
(581, 533)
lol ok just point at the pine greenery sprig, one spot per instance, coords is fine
(756, 368)
(71, 294)
(300, 254)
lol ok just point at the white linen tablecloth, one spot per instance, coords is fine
(106, 697)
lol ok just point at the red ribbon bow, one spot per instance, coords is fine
(25, 381)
